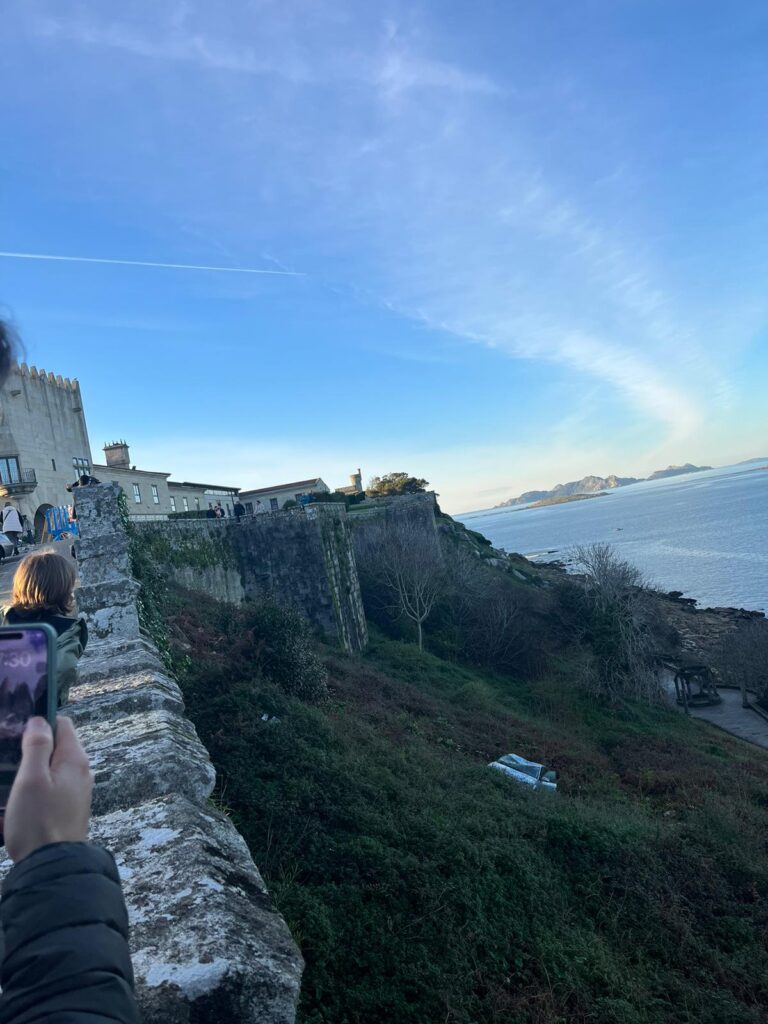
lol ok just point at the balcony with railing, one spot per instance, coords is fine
(23, 481)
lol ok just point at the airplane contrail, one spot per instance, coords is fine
(144, 263)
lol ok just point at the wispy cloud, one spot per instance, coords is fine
(400, 71)
(177, 45)
(393, 69)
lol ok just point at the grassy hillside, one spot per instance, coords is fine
(425, 889)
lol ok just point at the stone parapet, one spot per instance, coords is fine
(107, 592)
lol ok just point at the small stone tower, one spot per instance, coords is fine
(118, 455)
(356, 481)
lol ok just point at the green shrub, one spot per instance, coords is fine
(285, 649)
(250, 642)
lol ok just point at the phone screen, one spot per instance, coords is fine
(23, 693)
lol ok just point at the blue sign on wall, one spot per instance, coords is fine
(59, 525)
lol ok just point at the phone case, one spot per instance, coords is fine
(6, 776)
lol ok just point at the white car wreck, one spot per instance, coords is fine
(527, 773)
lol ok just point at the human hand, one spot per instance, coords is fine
(50, 800)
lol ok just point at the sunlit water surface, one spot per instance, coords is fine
(704, 533)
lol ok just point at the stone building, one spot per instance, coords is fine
(152, 494)
(44, 442)
(270, 499)
(146, 490)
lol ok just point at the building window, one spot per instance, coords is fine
(273, 504)
(229, 509)
(249, 507)
(173, 504)
(186, 504)
(155, 495)
(53, 465)
(197, 504)
(9, 470)
(82, 467)
(137, 494)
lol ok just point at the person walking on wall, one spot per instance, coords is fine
(219, 511)
(239, 509)
(12, 527)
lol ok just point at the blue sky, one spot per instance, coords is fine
(530, 241)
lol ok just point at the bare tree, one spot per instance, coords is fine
(404, 559)
(497, 622)
(623, 643)
(608, 578)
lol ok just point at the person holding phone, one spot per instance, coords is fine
(77, 968)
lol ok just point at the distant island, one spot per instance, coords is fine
(562, 500)
(589, 486)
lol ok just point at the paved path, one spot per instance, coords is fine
(745, 723)
(730, 715)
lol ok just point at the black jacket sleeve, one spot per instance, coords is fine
(66, 940)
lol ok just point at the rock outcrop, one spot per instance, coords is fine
(207, 943)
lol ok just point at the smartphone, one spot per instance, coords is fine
(27, 688)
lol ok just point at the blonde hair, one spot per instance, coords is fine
(45, 582)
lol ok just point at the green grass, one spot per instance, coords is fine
(425, 889)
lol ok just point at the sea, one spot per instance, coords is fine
(705, 534)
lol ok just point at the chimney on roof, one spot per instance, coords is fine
(118, 455)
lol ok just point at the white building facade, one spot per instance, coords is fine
(270, 499)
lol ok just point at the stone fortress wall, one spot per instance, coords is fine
(301, 557)
(207, 943)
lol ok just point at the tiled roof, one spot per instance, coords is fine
(206, 487)
(284, 487)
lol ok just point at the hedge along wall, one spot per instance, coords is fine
(303, 558)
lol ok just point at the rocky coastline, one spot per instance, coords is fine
(701, 630)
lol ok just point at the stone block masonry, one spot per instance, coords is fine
(416, 510)
(303, 558)
(207, 943)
